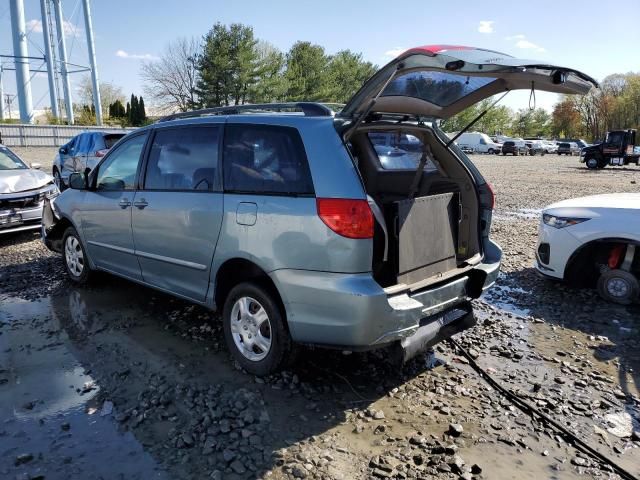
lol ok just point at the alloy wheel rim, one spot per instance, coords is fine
(56, 179)
(251, 329)
(74, 256)
(617, 287)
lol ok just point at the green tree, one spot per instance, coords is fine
(347, 71)
(228, 65)
(142, 113)
(307, 73)
(270, 85)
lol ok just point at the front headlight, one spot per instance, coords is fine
(561, 222)
(52, 192)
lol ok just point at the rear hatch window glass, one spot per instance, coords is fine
(439, 88)
(398, 150)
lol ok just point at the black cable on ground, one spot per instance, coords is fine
(534, 412)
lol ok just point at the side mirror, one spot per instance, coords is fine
(36, 166)
(63, 150)
(77, 181)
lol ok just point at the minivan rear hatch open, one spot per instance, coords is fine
(432, 207)
(438, 81)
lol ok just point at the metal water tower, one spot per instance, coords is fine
(55, 67)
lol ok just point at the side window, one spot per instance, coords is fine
(83, 143)
(183, 159)
(71, 146)
(403, 151)
(265, 159)
(118, 172)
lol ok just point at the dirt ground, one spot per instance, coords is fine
(119, 381)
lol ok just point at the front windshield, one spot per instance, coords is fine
(9, 161)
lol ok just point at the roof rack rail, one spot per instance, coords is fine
(310, 109)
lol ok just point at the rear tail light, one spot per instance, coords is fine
(101, 153)
(487, 196)
(347, 217)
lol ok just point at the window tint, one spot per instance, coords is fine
(118, 172)
(183, 159)
(265, 159)
(110, 140)
(398, 150)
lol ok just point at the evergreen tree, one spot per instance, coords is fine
(127, 112)
(143, 113)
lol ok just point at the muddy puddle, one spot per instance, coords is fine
(122, 382)
(55, 420)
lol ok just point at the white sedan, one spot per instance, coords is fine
(592, 241)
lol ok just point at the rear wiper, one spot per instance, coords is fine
(473, 122)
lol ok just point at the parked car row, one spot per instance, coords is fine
(288, 223)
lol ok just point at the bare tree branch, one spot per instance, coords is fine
(170, 82)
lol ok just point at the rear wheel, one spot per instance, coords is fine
(255, 330)
(618, 286)
(75, 258)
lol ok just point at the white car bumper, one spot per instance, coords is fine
(555, 247)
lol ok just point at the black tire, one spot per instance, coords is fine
(491, 151)
(591, 163)
(618, 286)
(503, 153)
(280, 351)
(57, 178)
(74, 253)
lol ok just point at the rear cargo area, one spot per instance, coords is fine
(427, 227)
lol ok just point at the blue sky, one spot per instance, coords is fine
(568, 33)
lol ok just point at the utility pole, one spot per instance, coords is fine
(48, 52)
(23, 75)
(1, 96)
(63, 60)
(88, 25)
(10, 99)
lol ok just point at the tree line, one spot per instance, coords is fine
(230, 66)
(615, 105)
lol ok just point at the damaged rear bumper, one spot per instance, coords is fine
(352, 311)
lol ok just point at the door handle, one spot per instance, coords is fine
(140, 203)
(124, 203)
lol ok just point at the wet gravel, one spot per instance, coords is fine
(150, 392)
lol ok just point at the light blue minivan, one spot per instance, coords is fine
(363, 229)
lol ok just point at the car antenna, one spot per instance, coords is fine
(473, 122)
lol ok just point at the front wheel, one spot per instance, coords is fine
(57, 179)
(491, 152)
(255, 330)
(591, 163)
(75, 257)
(618, 286)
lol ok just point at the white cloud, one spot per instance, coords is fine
(486, 26)
(526, 44)
(70, 30)
(394, 52)
(135, 56)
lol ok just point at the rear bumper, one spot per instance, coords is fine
(353, 312)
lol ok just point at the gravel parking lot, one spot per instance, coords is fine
(119, 381)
